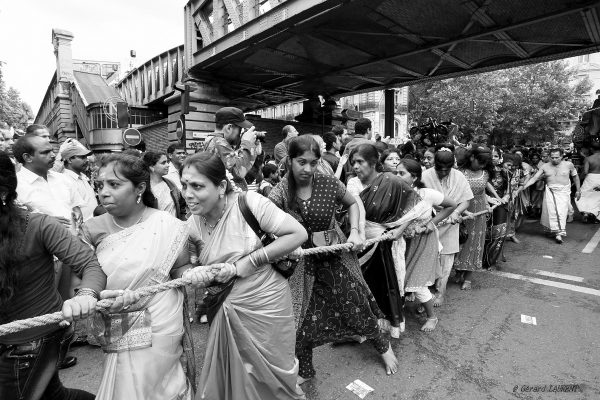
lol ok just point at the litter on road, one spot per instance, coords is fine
(526, 319)
(359, 388)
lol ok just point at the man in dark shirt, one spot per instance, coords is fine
(237, 151)
(332, 145)
(280, 150)
(362, 134)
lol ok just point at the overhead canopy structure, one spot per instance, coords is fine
(303, 48)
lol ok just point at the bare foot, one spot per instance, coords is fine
(438, 301)
(459, 278)
(301, 380)
(410, 297)
(466, 285)
(390, 361)
(430, 324)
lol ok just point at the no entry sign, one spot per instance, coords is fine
(132, 136)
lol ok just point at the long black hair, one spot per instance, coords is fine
(134, 170)
(414, 168)
(296, 147)
(12, 229)
(483, 155)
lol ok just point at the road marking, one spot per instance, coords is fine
(559, 276)
(592, 243)
(539, 281)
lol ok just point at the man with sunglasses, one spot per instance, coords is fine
(237, 150)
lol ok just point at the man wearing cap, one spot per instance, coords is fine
(75, 160)
(238, 152)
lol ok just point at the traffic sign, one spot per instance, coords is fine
(132, 136)
(180, 127)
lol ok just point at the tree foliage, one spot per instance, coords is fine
(512, 105)
(13, 111)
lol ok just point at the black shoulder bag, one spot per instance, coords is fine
(285, 266)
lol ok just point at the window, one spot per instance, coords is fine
(142, 88)
(149, 81)
(174, 71)
(156, 78)
(583, 59)
(165, 73)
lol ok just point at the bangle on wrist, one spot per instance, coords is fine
(87, 292)
(354, 227)
(266, 255)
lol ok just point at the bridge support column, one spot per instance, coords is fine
(62, 126)
(389, 109)
(207, 99)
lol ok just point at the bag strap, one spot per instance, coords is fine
(250, 218)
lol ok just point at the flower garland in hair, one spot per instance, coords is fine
(229, 177)
(445, 149)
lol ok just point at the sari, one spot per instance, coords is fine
(456, 187)
(470, 256)
(423, 250)
(142, 348)
(590, 198)
(332, 301)
(387, 200)
(497, 226)
(250, 347)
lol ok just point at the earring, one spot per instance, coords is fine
(139, 198)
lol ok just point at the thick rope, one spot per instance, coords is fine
(57, 317)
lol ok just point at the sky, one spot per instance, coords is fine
(103, 30)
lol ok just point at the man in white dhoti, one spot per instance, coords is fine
(557, 196)
(589, 204)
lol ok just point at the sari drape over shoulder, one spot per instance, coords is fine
(143, 347)
(389, 202)
(250, 348)
(456, 187)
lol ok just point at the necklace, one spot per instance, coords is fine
(136, 222)
(210, 228)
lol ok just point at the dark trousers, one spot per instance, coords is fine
(29, 371)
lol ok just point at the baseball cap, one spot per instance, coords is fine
(232, 115)
(74, 150)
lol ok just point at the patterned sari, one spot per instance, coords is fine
(470, 256)
(142, 348)
(331, 299)
(497, 226)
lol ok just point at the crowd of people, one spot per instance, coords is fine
(234, 221)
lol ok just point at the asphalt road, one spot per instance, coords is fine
(480, 348)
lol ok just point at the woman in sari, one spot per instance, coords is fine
(332, 300)
(497, 225)
(453, 184)
(138, 245)
(387, 200)
(477, 171)
(250, 348)
(520, 199)
(168, 196)
(423, 246)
